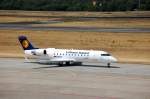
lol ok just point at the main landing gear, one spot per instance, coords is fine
(64, 63)
(70, 63)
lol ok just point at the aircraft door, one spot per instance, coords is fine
(50, 53)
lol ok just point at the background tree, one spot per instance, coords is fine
(75, 5)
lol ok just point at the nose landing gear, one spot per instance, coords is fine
(108, 65)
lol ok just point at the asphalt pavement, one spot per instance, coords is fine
(22, 80)
(71, 28)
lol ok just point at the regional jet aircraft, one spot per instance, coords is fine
(66, 56)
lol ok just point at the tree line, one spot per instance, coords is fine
(75, 5)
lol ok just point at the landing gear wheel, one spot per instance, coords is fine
(60, 64)
(108, 65)
(79, 63)
(68, 63)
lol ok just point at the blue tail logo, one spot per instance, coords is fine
(26, 45)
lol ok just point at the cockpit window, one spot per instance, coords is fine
(105, 55)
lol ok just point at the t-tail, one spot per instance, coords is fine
(26, 45)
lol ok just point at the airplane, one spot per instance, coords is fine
(66, 56)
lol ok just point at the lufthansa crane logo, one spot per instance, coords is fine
(25, 43)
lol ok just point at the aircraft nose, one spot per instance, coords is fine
(113, 59)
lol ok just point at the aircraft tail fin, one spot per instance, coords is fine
(26, 45)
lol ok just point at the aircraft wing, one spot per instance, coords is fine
(62, 59)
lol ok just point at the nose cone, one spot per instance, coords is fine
(113, 59)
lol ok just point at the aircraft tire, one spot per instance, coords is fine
(108, 65)
(68, 63)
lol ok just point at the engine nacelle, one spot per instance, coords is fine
(38, 52)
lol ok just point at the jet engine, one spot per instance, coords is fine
(38, 52)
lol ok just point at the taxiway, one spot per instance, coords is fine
(21, 80)
(77, 28)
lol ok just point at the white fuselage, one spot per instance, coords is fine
(71, 55)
